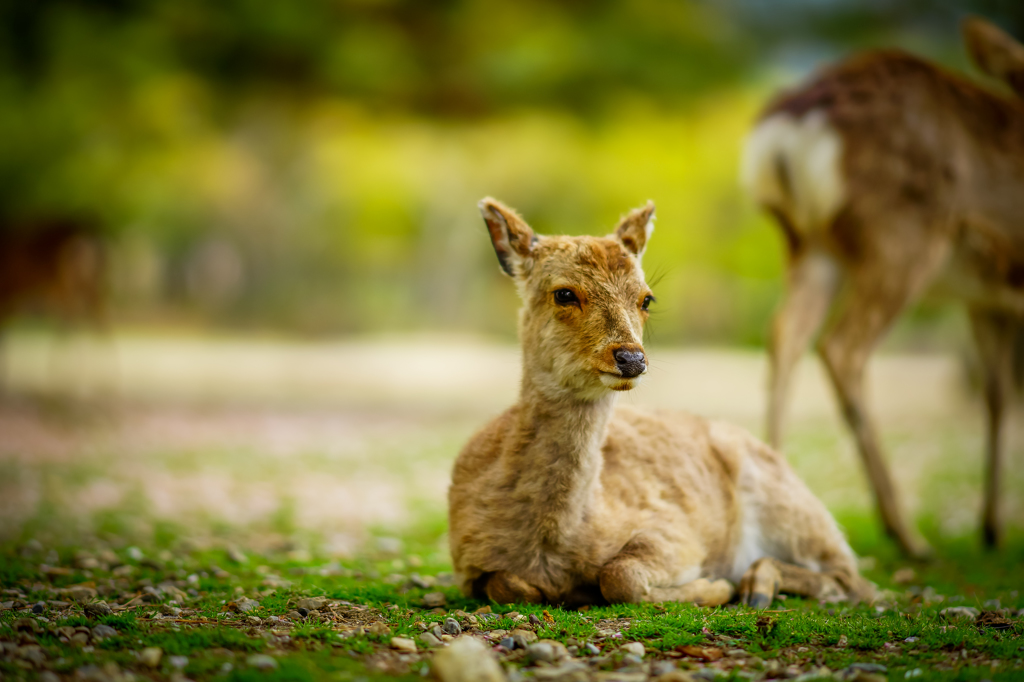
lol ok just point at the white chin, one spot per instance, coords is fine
(620, 383)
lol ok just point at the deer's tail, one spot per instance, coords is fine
(793, 167)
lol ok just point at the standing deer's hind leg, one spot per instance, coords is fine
(813, 278)
(994, 334)
(875, 299)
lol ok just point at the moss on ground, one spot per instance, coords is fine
(218, 613)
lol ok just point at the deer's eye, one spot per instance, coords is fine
(648, 299)
(565, 297)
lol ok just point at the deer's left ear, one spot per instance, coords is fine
(635, 229)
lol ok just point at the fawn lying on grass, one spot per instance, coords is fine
(566, 499)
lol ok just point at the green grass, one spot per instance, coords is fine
(902, 631)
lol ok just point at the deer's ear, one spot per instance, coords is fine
(995, 52)
(635, 229)
(512, 238)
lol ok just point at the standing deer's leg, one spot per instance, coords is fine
(872, 304)
(994, 334)
(813, 278)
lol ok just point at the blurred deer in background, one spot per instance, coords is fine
(54, 266)
(887, 174)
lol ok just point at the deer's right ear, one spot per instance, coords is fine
(995, 52)
(512, 238)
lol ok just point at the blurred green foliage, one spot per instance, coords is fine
(314, 166)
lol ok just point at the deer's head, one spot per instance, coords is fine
(584, 302)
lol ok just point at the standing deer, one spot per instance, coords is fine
(887, 174)
(567, 499)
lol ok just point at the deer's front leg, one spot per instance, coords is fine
(635, 575)
(507, 588)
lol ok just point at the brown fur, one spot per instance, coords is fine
(933, 175)
(567, 499)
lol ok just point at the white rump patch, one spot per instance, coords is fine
(794, 165)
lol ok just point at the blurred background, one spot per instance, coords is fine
(243, 279)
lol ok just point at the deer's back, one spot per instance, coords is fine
(919, 140)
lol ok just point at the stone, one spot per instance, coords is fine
(430, 640)
(541, 651)
(467, 660)
(523, 637)
(304, 612)
(261, 662)
(674, 676)
(620, 676)
(635, 648)
(312, 603)
(960, 613)
(245, 605)
(39, 607)
(451, 627)
(294, 615)
(102, 631)
(169, 610)
(534, 620)
(81, 593)
(33, 653)
(508, 643)
(570, 671)
(591, 649)
(403, 644)
(97, 608)
(433, 600)
(437, 631)
(150, 656)
(178, 662)
(379, 628)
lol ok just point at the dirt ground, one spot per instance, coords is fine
(339, 438)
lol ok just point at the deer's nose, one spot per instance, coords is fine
(631, 363)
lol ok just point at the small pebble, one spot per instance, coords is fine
(541, 651)
(451, 627)
(261, 662)
(430, 640)
(433, 600)
(39, 607)
(102, 631)
(592, 649)
(534, 620)
(403, 644)
(178, 662)
(509, 643)
(150, 656)
(303, 611)
(635, 648)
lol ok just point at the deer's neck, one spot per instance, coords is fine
(556, 468)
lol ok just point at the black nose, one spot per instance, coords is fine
(630, 362)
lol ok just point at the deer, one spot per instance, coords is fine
(890, 176)
(568, 499)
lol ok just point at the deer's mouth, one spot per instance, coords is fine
(617, 382)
